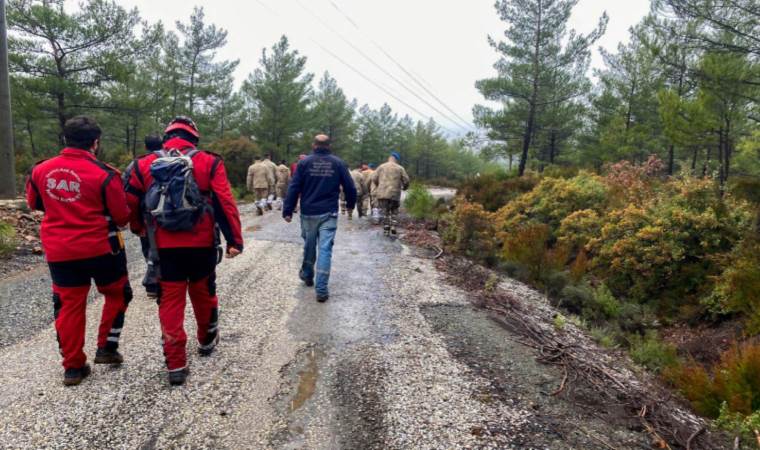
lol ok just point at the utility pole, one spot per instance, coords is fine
(7, 156)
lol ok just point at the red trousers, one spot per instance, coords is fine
(187, 271)
(71, 285)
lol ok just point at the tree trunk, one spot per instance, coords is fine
(671, 159)
(191, 93)
(533, 97)
(552, 147)
(31, 136)
(7, 155)
(727, 150)
(721, 168)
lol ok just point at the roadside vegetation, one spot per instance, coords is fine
(7, 240)
(630, 254)
(632, 200)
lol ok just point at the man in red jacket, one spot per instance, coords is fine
(84, 205)
(188, 259)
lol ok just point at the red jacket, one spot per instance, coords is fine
(79, 195)
(211, 176)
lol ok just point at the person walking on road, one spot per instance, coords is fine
(84, 207)
(388, 181)
(317, 182)
(369, 197)
(186, 236)
(258, 181)
(272, 167)
(361, 191)
(283, 178)
(153, 143)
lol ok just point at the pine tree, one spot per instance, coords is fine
(279, 94)
(202, 74)
(333, 114)
(66, 55)
(538, 46)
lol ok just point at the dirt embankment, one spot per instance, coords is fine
(597, 382)
(25, 246)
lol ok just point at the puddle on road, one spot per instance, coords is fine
(307, 381)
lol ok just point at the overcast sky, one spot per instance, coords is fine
(442, 43)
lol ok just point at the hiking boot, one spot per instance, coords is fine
(321, 298)
(386, 231)
(207, 350)
(106, 356)
(151, 292)
(259, 211)
(178, 377)
(72, 377)
(393, 231)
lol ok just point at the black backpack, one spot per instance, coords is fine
(174, 199)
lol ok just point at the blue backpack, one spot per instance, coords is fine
(174, 199)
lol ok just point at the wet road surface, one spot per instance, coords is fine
(395, 359)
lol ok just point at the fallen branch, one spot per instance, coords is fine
(562, 384)
(694, 436)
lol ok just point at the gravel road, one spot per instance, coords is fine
(395, 359)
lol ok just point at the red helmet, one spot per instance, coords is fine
(183, 123)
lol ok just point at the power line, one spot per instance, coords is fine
(380, 67)
(400, 66)
(357, 71)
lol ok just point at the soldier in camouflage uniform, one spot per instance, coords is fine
(388, 181)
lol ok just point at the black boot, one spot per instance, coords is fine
(208, 349)
(106, 356)
(178, 377)
(72, 377)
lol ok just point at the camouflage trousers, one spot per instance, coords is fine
(389, 210)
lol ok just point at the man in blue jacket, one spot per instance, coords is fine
(317, 181)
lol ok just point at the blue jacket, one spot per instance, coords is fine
(317, 182)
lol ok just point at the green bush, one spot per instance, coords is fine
(7, 240)
(737, 288)
(469, 231)
(606, 303)
(575, 298)
(606, 336)
(666, 251)
(420, 203)
(730, 386)
(737, 423)
(552, 200)
(650, 352)
(495, 190)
